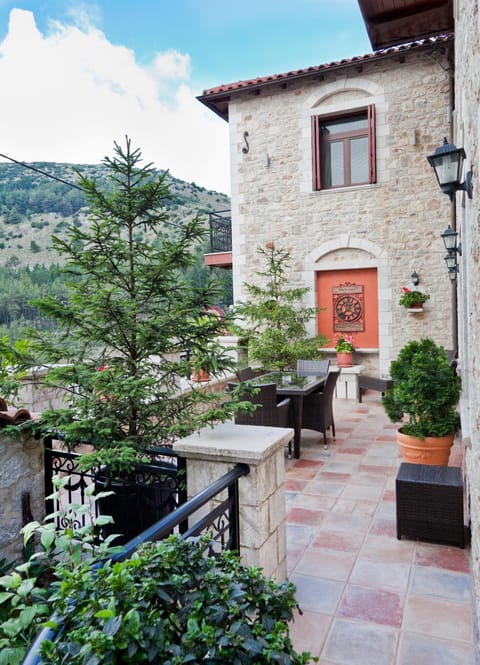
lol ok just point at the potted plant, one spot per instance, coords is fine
(412, 299)
(424, 398)
(344, 347)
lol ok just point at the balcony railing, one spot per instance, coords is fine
(220, 223)
(222, 522)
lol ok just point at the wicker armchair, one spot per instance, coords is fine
(313, 367)
(318, 408)
(245, 374)
(268, 413)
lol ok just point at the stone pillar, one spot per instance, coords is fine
(22, 490)
(212, 452)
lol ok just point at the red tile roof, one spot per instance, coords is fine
(217, 98)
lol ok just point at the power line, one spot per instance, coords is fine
(49, 175)
(65, 182)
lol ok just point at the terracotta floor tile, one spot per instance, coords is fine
(326, 563)
(420, 650)
(352, 643)
(358, 492)
(381, 575)
(368, 598)
(305, 463)
(334, 540)
(442, 556)
(308, 631)
(345, 522)
(314, 501)
(441, 584)
(294, 485)
(374, 605)
(439, 618)
(305, 516)
(382, 526)
(385, 548)
(324, 487)
(317, 594)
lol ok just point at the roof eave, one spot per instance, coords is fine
(218, 102)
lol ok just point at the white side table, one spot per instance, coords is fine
(346, 386)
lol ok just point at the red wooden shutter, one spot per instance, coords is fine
(316, 179)
(372, 150)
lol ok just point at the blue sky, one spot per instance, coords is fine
(79, 75)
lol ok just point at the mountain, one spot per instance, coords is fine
(33, 206)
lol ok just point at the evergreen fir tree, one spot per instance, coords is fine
(130, 317)
(275, 318)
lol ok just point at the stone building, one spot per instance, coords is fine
(424, 85)
(329, 162)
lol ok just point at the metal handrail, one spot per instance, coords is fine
(157, 531)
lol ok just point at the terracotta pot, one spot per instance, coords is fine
(430, 450)
(344, 359)
(201, 376)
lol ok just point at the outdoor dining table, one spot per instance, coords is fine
(290, 384)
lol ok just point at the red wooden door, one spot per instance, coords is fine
(348, 302)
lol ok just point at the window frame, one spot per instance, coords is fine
(345, 137)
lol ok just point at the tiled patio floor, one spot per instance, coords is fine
(368, 598)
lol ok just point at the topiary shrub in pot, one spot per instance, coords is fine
(424, 397)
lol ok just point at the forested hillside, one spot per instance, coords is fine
(34, 206)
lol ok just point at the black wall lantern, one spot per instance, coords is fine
(447, 161)
(450, 240)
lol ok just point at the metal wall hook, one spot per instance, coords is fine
(246, 147)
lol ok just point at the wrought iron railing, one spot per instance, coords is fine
(222, 523)
(220, 223)
(159, 487)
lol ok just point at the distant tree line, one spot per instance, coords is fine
(20, 286)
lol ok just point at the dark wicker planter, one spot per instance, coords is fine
(138, 501)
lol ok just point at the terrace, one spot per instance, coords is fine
(368, 598)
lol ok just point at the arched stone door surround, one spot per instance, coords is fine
(348, 251)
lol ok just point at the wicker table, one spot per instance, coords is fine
(430, 503)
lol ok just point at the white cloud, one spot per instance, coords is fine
(172, 64)
(67, 96)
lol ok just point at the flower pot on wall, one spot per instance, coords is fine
(201, 376)
(430, 450)
(344, 359)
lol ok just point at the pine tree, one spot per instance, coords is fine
(130, 316)
(275, 319)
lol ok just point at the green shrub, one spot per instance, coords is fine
(425, 391)
(169, 603)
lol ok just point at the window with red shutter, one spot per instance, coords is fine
(343, 149)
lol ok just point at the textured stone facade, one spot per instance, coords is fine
(21, 473)
(467, 134)
(393, 225)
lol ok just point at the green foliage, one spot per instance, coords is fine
(27, 592)
(275, 321)
(15, 361)
(169, 603)
(411, 298)
(425, 389)
(131, 312)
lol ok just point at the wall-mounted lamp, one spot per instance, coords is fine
(454, 249)
(415, 278)
(447, 162)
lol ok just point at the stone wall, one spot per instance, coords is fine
(21, 474)
(467, 134)
(393, 225)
